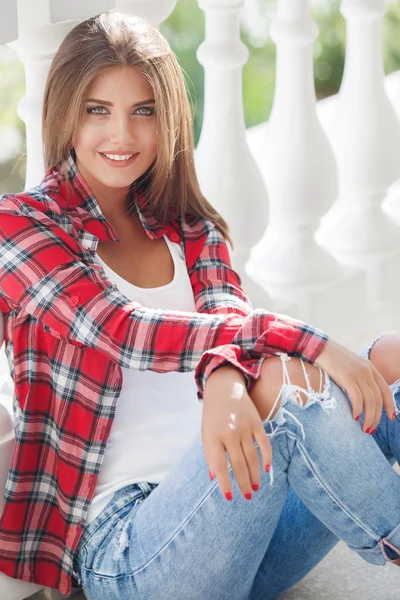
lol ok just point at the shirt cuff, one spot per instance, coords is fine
(228, 354)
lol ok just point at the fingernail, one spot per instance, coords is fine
(357, 417)
(248, 496)
(373, 431)
(211, 474)
(393, 416)
(268, 468)
(255, 487)
(368, 430)
(228, 495)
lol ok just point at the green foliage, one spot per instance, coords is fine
(12, 85)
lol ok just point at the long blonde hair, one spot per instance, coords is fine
(114, 39)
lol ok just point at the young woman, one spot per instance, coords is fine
(116, 284)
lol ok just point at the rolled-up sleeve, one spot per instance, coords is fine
(218, 290)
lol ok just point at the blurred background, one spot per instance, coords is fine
(185, 31)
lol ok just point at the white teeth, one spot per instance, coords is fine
(118, 157)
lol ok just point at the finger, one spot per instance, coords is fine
(356, 398)
(374, 387)
(387, 396)
(239, 466)
(252, 460)
(264, 445)
(217, 463)
(369, 407)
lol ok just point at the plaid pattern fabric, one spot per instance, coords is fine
(68, 331)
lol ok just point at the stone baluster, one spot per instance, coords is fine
(300, 170)
(8, 22)
(391, 204)
(298, 163)
(227, 172)
(153, 11)
(37, 42)
(365, 135)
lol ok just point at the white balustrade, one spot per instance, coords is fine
(227, 172)
(78, 9)
(38, 41)
(298, 163)
(153, 11)
(391, 204)
(8, 22)
(300, 171)
(365, 135)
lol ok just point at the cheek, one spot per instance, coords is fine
(152, 141)
(89, 137)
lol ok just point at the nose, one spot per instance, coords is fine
(121, 129)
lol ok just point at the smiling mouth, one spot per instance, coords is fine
(119, 162)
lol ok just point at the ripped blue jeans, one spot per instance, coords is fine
(181, 540)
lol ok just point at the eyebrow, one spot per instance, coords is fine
(149, 101)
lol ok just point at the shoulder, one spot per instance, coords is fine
(33, 202)
(198, 229)
(198, 233)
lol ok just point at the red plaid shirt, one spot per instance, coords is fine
(68, 332)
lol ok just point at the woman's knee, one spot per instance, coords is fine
(266, 389)
(385, 356)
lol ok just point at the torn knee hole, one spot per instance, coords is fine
(390, 552)
(291, 391)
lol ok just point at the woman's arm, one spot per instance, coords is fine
(217, 290)
(41, 271)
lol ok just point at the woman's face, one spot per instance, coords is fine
(119, 121)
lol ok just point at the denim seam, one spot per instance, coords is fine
(178, 530)
(327, 490)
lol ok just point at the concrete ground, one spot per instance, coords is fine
(342, 575)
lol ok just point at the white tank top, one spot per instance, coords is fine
(158, 414)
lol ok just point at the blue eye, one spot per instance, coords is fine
(143, 111)
(148, 111)
(92, 110)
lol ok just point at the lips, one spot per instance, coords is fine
(119, 163)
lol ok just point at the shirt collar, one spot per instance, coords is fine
(85, 209)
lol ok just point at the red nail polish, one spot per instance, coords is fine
(228, 495)
(248, 496)
(368, 430)
(357, 417)
(255, 487)
(268, 468)
(373, 431)
(393, 416)
(211, 474)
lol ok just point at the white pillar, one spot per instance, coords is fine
(298, 163)
(153, 11)
(8, 22)
(365, 135)
(37, 42)
(392, 202)
(226, 169)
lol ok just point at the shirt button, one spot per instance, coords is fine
(175, 237)
(74, 300)
(91, 481)
(102, 433)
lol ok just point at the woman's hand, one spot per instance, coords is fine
(230, 421)
(359, 378)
